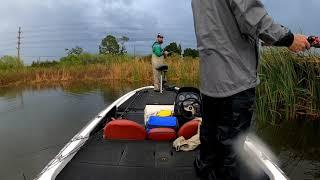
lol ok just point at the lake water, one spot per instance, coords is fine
(35, 123)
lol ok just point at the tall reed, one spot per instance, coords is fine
(289, 86)
(289, 89)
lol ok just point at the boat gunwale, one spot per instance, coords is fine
(55, 166)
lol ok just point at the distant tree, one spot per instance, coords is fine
(173, 48)
(122, 41)
(109, 44)
(191, 53)
(74, 51)
(10, 62)
(46, 63)
(180, 49)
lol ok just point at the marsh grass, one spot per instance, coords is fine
(289, 89)
(289, 86)
(9, 62)
(129, 70)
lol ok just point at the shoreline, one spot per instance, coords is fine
(289, 88)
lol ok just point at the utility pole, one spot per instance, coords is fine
(19, 42)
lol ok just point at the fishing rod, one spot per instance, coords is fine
(314, 41)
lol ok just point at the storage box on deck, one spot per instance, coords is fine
(153, 110)
(162, 122)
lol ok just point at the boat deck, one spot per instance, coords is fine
(143, 160)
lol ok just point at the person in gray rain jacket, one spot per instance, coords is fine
(228, 34)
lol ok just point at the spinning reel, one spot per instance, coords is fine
(314, 41)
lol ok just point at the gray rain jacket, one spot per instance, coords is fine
(228, 33)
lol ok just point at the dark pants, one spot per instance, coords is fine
(224, 120)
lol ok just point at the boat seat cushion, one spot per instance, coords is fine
(189, 129)
(124, 130)
(162, 134)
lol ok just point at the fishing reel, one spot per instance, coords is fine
(314, 41)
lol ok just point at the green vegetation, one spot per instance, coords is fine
(191, 53)
(9, 62)
(290, 86)
(92, 67)
(289, 89)
(122, 41)
(44, 63)
(110, 45)
(174, 49)
(74, 51)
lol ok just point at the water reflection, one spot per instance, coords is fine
(36, 121)
(296, 144)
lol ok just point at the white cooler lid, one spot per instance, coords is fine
(152, 110)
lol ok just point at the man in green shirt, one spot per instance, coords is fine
(157, 60)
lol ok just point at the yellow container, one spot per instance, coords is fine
(164, 113)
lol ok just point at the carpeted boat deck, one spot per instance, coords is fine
(130, 160)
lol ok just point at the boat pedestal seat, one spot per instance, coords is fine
(162, 134)
(122, 129)
(162, 68)
(189, 129)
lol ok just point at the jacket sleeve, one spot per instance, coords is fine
(254, 20)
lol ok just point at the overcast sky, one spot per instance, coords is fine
(50, 26)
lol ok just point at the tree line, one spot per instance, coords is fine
(113, 45)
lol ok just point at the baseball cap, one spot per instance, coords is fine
(159, 35)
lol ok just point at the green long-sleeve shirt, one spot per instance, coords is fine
(157, 49)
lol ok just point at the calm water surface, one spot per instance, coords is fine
(35, 122)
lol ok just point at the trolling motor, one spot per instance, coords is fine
(314, 41)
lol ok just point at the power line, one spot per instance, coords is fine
(51, 42)
(90, 26)
(81, 39)
(8, 49)
(85, 26)
(39, 56)
(77, 32)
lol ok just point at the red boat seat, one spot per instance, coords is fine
(162, 134)
(122, 129)
(189, 129)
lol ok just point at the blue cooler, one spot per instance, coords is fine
(162, 122)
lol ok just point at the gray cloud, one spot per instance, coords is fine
(299, 15)
(50, 26)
